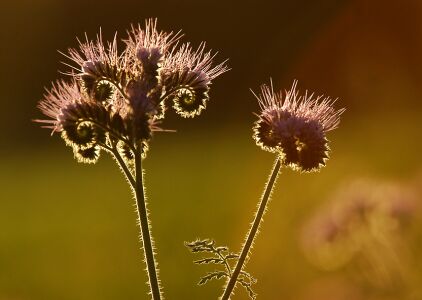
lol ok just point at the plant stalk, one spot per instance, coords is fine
(125, 169)
(252, 231)
(144, 225)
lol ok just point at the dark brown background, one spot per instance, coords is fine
(365, 52)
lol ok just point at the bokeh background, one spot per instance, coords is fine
(68, 231)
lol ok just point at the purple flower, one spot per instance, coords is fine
(295, 126)
(116, 99)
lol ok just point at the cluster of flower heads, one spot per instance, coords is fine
(363, 226)
(117, 99)
(295, 126)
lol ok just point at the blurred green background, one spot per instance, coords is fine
(68, 230)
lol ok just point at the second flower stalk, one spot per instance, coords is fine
(293, 127)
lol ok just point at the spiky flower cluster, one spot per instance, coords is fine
(295, 126)
(115, 100)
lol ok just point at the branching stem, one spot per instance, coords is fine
(226, 264)
(252, 232)
(113, 150)
(124, 167)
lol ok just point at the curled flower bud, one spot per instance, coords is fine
(295, 126)
(87, 155)
(95, 74)
(187, 76)
(81, 135)
(103, 91)
(189, 102)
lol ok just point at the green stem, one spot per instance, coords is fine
(253, 231)
(144, 224)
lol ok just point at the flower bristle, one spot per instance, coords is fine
(149, 38)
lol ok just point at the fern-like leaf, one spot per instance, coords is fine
(209, 260)
(220, 256)
(251, 279)
(201, 246)
(231, 256)
(247, 286)
(211, 276)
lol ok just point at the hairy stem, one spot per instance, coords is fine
(252, 231)
(113, 151)
(124, 167)
(144, 224)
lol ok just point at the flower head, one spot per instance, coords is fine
(115, 100)
(193, 70)
(295, 126)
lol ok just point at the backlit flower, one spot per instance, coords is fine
(295, 126)
(115, 100)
